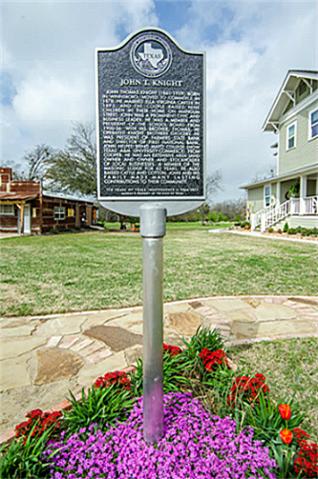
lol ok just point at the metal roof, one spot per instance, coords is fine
(63, 196)
(289, 84)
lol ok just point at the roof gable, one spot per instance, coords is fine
(284, 96)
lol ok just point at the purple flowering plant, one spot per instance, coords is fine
(195, 445)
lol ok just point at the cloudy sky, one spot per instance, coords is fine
(47, 68)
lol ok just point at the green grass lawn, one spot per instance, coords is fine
(291, 371)
(181, 225)
(70, 272)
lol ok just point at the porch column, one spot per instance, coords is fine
(21, 217)
(263, 224)
(302, 195)
(278, 191)
(252, 221)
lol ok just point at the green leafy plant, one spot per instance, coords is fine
(174, 377)
(204, 338)
(293, 191)
(22, 459)
(103, 406)
(214, 390)
(304, 231)
(286, 228)
(263, 415)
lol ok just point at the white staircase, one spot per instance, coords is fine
(271, 215)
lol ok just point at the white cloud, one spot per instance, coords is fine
(48, 51)
(247, 60)
(42, 95)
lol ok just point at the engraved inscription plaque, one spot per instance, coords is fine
(150, 108)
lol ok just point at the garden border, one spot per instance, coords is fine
(7, 436)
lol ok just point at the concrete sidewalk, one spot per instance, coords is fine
(44, 357)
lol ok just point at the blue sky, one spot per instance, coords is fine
(47, 68)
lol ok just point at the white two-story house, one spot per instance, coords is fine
(291, 196)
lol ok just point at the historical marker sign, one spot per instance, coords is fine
(150, 137)
(150, 104)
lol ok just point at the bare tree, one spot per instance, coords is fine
(213, 185)
(233, 209)
(34, 163)
(74, 167)
(37, 161)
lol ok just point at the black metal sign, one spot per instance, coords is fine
(150, 107)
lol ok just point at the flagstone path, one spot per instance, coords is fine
(43, 357)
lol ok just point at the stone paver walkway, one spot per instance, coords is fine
(42, 358)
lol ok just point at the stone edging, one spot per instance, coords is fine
(138, 307)
(7, 436)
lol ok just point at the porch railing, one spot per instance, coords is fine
(271, 215)
(277, 213)
(310, 205)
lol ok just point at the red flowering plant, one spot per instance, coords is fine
(247, 389)
(278, 427)
(300, 435)
(306, 456)
(306, 459)
(172, 350)
(119, 378)
(285, 411)
(37, 423)
(212, 359)
(300, 456)
(286, 436)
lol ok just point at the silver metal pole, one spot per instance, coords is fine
(152, 229)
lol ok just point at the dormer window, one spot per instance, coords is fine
(291, 136)
(313, 124)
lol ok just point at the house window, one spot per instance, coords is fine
(267, 195)
(291, 136)
(313, 124)
(59, 213)
(7, 210)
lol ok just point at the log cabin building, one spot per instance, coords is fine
(25, 208)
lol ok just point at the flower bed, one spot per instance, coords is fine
(218, 423)
(195, 445)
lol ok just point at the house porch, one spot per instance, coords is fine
(302, 191)
(293, 198)
(19, 215)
